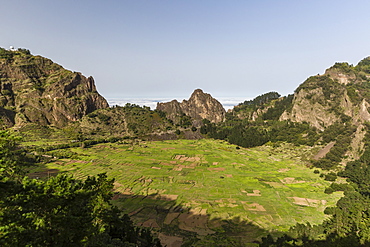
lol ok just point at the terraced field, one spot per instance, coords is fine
(188, 189)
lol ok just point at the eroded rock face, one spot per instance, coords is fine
(199, 106)
(34, 89)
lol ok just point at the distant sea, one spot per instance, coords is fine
(227, 102)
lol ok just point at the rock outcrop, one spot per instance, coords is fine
(34, 89)
(340, 93)
(199, 106)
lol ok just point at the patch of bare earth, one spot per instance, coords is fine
(76, 161)
(307, 202)
(45, 173)
(291, 181)
(152, 223)
(283, 170)
(216, 169)
(169, 197)
(255, 193)
(195, 221)
(170, 241)
(324, 151)
(253, 206)
(170, 217)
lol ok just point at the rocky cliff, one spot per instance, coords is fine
(34, 89)
(199, 106)
(341, 94)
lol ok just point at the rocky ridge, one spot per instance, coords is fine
(339, 94)
(33, 89)
(199, 106)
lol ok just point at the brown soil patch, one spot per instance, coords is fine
(76, 161)
(165, 164)
(135, 212)
(216, 169)
(253, 206)
(180, 167)
(169, 197)
(291, 181)
(157, 168)
(170, 241)
(195, 221)
(283, 170)
(307, 202)
(170, 217)
(168, 148)
(228, 175)
(45, 173)
(215, 163)
(150, 223)
(182, 157)
(255, 193)
(324, 151)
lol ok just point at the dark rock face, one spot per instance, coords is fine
(200, 106)
(34, 89)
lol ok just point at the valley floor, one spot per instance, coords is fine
(202, 189)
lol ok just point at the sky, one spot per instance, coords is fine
(163, 48)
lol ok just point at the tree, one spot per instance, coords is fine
(59, 211)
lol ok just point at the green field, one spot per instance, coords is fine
(192, 188)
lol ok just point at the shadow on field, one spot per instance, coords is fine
(179, 225)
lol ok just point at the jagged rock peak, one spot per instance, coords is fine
(199, 106)
(37, 90)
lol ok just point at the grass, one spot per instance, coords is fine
(268, 187)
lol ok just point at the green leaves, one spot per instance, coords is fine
(56, 212)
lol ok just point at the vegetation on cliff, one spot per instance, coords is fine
(33, 89)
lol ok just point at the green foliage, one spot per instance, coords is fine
(59, 211)
(344, 67)
(328, 85)
(364, 65)
(350, 220)
(13, 159)
(274, 113)
(261, 99)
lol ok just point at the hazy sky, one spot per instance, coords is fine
(163, 48)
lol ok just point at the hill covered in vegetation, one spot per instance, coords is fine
(211, 178)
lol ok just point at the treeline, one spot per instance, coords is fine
(261, 99)
(250, 133)
(59, 211)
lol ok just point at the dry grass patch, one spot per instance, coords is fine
(170, 241)
(307, 202)
(253, 206)
(216, 169)
(170, 217)
(291, 181)
(284, 170)
(152, 223)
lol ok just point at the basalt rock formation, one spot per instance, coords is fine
(199, 106)
(33, 89)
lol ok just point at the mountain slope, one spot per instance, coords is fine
(35, 89)
(199, 106)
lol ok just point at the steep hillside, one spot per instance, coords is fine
(35, 89)
(199, 106)
(341, 94)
